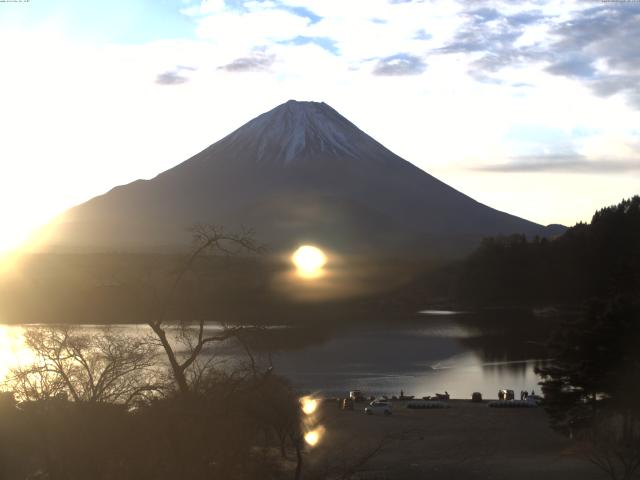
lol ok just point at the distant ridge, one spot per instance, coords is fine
(298, 173)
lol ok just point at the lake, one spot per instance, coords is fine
(431, 352)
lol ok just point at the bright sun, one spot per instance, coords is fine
(309, 261)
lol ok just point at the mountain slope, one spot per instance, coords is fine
(298, 173)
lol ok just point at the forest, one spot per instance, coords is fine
(590, 260)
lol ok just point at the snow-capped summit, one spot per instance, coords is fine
(298, 131)
(298, 173)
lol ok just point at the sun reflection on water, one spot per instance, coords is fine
(313, 437)
(309, 405)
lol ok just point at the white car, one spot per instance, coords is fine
(378, 408)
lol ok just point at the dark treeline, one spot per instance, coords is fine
(591, 375)
(107, 288)
(589, 260)
(590, 384)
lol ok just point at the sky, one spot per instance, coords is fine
(531, 107)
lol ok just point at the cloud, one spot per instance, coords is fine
(400, 64)
(170, 78)
(571, 163)
(575, 66)
(256, 62)
(263, 25)
(175, 76)
(485, 14)
(422, 35)
(487, 30)
(596, 45)
(526, 18)
(599, 47)
(494, 36)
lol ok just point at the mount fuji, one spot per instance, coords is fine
(300, 173)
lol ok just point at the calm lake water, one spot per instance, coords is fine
(422, 356)
(430, 353)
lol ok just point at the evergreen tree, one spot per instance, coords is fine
(592, 383)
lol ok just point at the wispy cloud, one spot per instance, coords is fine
(495, 37)
(571, 163)
(256, 62)
(596, 46)
(604, 36)
(400, 64)
(422, 35)
(176, 76)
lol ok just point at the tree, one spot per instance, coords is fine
(207, 239)
(596, 260)
(83, 366)
(214, 423)
(592, 383)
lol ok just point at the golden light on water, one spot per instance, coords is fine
(313, 437)
(13, 351)
(309, 261)
(309, 405)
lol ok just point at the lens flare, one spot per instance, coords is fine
(309, 261)
(309, 405)
(314, 436)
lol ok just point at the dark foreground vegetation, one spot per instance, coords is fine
(232, 427)
(591, 385)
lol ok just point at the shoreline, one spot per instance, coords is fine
(468, 441)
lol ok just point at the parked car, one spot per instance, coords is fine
(476, 397)
(378, 408)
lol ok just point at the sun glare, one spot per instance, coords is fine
(309, 261)
(10, 249)
(309, 405)
(314, 436)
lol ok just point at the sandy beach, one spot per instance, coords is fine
(466, 441)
